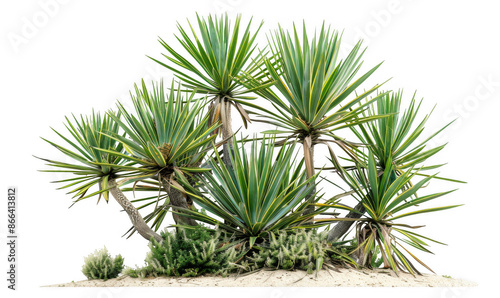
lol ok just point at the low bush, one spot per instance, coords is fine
(198, 251)
(305, 250)
(190, 252)
(100, 265)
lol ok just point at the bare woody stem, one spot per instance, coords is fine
(177, 199)
(309, 161)
(342, 227)
(227, 133)
(135, 217)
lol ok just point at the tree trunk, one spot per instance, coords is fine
(343, 226)
(309, 161)
(227, 147)
(178, 199)
(227, 133)
(135, 217)
(190, 203)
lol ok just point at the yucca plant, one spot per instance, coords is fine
(262, 192)
(93, 167)
(312, 87)
(100, 265)
(218, 55)
(166, 144)
(166, 139)
(386, 201)
(393, 139)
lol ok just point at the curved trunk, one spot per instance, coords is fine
(343, 226)
(135, 217)
(178, 199)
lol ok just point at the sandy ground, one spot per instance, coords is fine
(281, 278)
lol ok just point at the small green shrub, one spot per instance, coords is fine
(198, 251)
(190, 252)
(305, 250)
(100, 265)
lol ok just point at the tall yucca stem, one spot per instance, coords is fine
(177, 199)
(227, 134)
(308, 147)
(342, 227)
(135, 217)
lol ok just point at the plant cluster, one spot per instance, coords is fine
(189, 252)
(197, 251)
(260, 192)
(100, 265)
(305, 250)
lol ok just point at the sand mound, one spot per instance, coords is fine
(282, 278)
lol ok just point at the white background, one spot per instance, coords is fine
(79, 55)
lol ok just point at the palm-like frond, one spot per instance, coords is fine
(167, 135)
(90, 165)
(387, 200)
(262, 192)
(395, 137)
(218, 56)
(392, 139)
(312, 83)
(166, 138)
